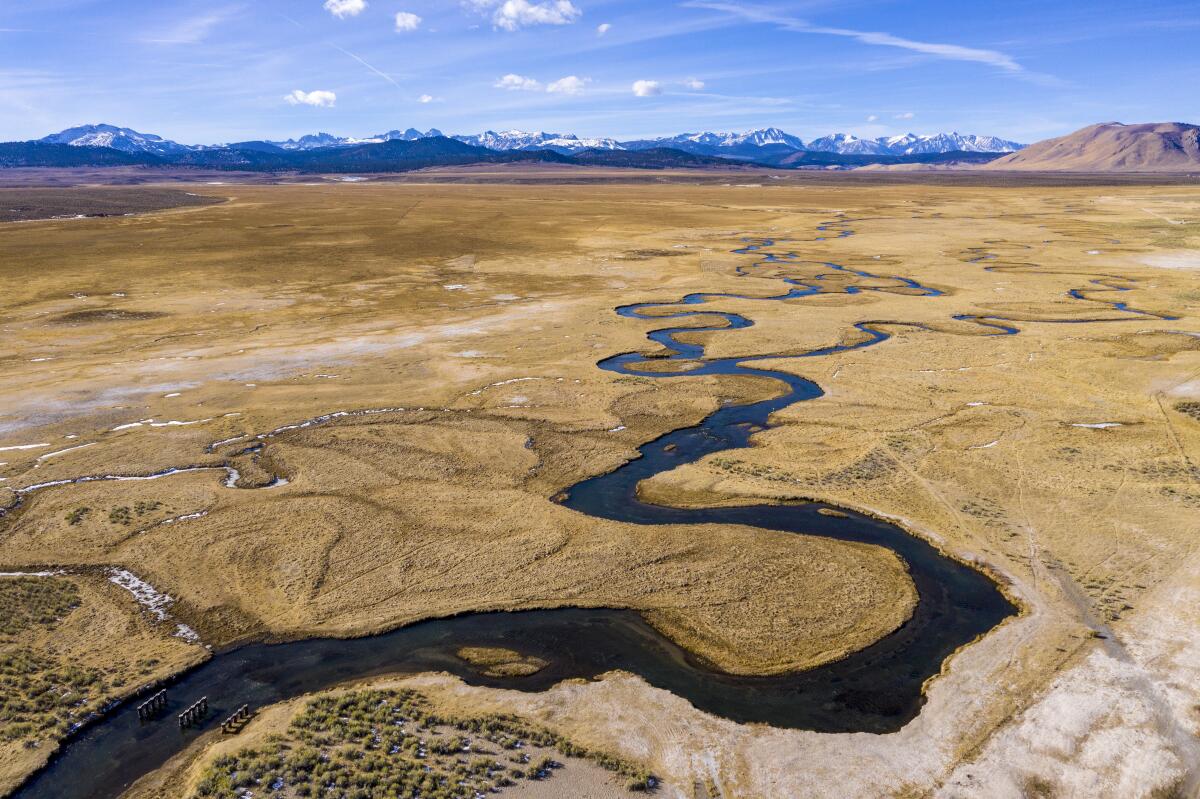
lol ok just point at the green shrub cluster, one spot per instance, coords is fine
(391, 744)
(29, 601)
(41, 696)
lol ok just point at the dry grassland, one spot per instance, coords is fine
(1063, 458)
(76, 647)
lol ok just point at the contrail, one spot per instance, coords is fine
(359, 59)
(383, 75)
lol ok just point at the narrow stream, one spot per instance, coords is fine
(876, 690)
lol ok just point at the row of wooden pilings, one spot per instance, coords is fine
(197, 711)
(153, 705)
(239, 715)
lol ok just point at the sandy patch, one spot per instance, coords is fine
(1179, 259)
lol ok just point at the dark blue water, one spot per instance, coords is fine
(875, 690)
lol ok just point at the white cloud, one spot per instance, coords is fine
(906, 115)
(568, 85)
(345, 8)
(319, 98)
(425, 99)
(406, 22)
(518, 83)
(873, 118)
(514, 14)
(647, 88)
(693, 84)
(603, 29)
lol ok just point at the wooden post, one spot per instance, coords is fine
(194, 713)
(240, 714)
(152, 705)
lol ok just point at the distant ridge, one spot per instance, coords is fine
(770, 146)
(1113, 147)
(394, 155)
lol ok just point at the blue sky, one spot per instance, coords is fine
(228, 70)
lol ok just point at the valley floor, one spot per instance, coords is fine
(377, 389)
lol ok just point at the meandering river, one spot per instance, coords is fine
(878, 689)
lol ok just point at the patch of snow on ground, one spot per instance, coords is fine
(153, 600)
(185, 517)
(145, 594)
(23, 446)
(187, 634)
(64, 451)
(1098, 425)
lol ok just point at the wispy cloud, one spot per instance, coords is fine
(953, 52)
(518, 83)
(571, 84)
(193, 30)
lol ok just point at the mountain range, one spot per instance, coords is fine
(394, 155)
(767, 145)
(1107, 147)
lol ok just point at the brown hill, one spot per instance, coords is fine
(1112, 147)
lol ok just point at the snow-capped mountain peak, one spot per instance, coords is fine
(912, 144)
(849, 144)
(539, 140)
(124, 139)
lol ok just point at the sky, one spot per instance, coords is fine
(210, 71)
